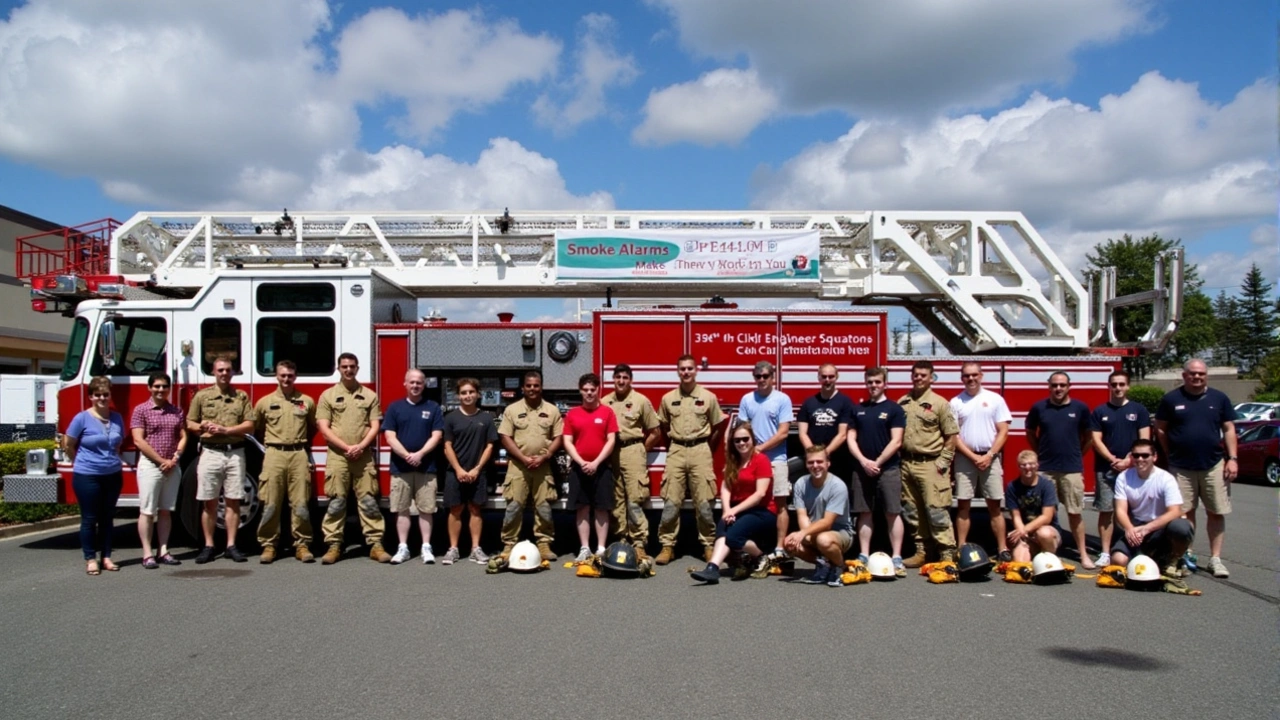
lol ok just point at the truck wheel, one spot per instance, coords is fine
(189, 507)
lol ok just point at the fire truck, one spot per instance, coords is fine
(172, 291)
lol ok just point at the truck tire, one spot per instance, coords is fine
(250, 506)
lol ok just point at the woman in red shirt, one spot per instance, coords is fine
(749, 519)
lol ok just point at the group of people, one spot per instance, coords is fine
(873, 455)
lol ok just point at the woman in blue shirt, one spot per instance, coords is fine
(93, 445)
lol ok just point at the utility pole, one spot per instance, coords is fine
(911, 328)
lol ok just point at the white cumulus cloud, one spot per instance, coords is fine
(721, 107)
(597, 66)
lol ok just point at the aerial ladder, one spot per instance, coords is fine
(980, 282)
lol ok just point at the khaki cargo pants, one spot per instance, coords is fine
(286, 478)
(926, 507)
(689, 471)
(631, 467)
(341, 477)
(521, 487)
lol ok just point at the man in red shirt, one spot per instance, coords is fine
(589, 435)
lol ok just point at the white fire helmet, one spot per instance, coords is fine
(1142, 569)
(880, 565)
(1047, 568)
(524, 557)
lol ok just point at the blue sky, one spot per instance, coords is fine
(1093, 117)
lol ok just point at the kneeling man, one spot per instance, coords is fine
(1148, 507)
(822, 508)
(1032, 502)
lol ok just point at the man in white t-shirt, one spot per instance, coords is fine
(1148, 507)
(984, 420)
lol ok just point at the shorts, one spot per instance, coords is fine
(157, 490)
(1070, 487)
(591, 490)
(220, 472)
(844, 538)
(969, 478)
(885, 488)
(1206, 484)
(416, 487)
(460, 493)
(1034, 544)
(1104, 490)
(1159, 544)
(781, 478)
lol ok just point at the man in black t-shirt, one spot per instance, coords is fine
(1032, 503)
(1195, 424)
(469, 436)
(875, 437)
(824, 420)
(1115, 425)
(1058, 430)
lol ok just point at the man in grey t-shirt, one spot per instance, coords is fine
(822, 509)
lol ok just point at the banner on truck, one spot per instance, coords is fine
(758, 255)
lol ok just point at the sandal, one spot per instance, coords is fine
(169, 559)
(110, 566)
(150, 563)
(91, 568)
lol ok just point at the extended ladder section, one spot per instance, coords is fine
(979, 281)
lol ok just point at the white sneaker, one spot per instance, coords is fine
(427, 557)
(1104, 559)
(584, 554)
(1217, 568)
(402, 554)
(478, 556)
(450, 556)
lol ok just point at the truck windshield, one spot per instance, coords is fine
(75, 349)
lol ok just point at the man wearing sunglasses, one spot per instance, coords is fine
(222, 415)
(1115, 425)
(1058, 430)
(1148, 510)
(770, 413)
(1195, 424)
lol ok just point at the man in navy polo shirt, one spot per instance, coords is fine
(1058, 430)
(1115, 425)
(1193, 423)
(875, 435)
(413, 427)
(824, 420)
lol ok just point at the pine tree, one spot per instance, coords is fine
(1258, 319)
(1226, 315)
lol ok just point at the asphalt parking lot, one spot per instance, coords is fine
(363, 640)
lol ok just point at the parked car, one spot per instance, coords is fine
(1259, 450)
(1247, 411)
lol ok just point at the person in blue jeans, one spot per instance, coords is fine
(92, 442)
(749, 521)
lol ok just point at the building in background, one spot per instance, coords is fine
(30, 342)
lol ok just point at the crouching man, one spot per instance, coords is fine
(822, 509)
(1148, 507)
(1032, 501)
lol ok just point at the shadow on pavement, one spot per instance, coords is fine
(1109, 657)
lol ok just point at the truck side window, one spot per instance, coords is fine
(219, 336)
(296, 297)
(141, 346)
(308, 341)
(75, 349)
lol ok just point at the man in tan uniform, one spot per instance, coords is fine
(531, 431)
(349, 416)
(287, 420)
(928, 446)
(636, 424)
(691, 418)
(222, 416)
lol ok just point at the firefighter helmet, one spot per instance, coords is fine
(1142, 573)
(974, 563)
(1046, 569)
(524, 557)
(880, 565)
(620, 560)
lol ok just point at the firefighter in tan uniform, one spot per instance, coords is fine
(928, 446)
(690, 416)
(531, 431)
(348, 416)
(222, 415)
(637, 421)
(287, 420)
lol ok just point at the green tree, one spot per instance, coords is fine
(1258, 320)
(1226, 315)
(1134, 260)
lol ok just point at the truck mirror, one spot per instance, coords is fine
(107, 344)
